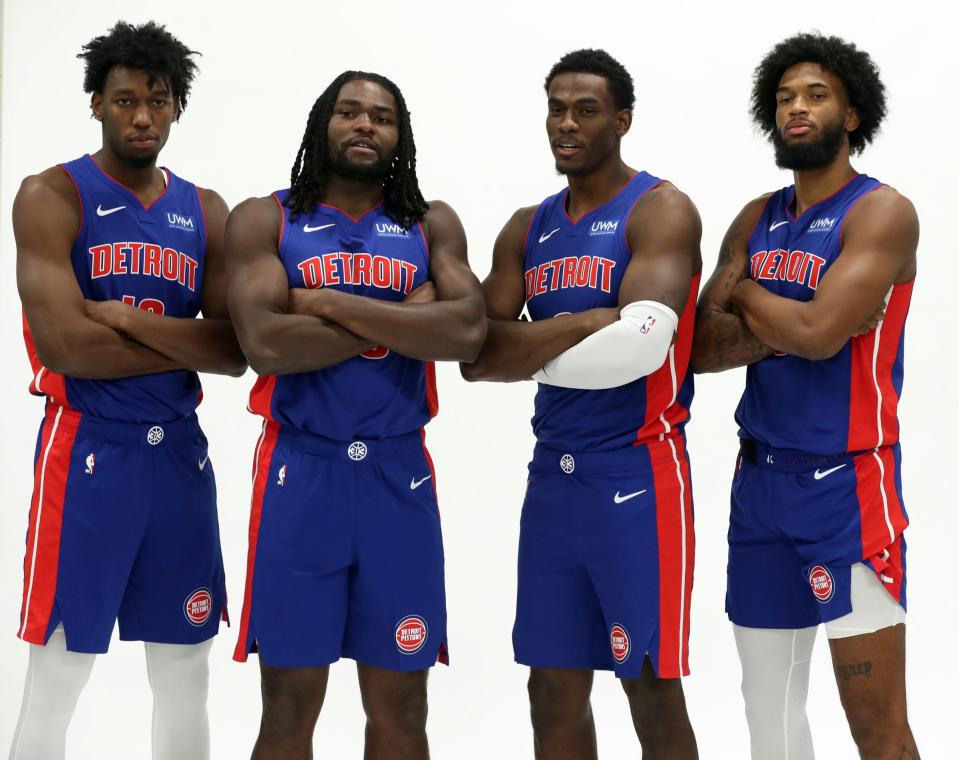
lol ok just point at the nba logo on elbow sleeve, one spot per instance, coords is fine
(198, 607)
(411, 634)
(648, 324)
(822, 584)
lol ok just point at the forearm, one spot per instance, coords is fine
(290, 343)
(96, 352)
(781, 323)
(438, 331)
(202, 345)
(514, 350)
(723, 341)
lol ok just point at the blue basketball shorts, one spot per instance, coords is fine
(346, 553)
(606, 560)
(799, 522)
(123, 527)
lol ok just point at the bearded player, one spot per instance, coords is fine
(115, 258)
(608, 270)
(345, 288)
(811, 292)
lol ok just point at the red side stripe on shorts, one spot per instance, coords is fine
(881, 514)
(432, 395)
(261, 474)
(677, 546)
(43, 534)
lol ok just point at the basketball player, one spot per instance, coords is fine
(817, 515)
(345, 288)
(115, 258)
(608, 270)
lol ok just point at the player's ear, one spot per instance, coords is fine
(96, 106)
(624, 120)
(853, 119)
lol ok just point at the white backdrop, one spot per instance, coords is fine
(472, 75)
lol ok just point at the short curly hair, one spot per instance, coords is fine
(148, 47)
(600, 63)
(858, 72)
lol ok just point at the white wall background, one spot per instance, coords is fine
(472, 75)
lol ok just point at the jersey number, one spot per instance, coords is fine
(147, 304)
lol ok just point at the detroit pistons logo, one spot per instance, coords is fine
(822, 584)
(410, 634)
(198, 607)
(619, 643)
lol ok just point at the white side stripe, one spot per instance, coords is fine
(875, 379)
(256, 456)
(682, 521)
(672, 373)
(36, 530)
(36, 380)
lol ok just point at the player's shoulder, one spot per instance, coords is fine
(211, 200)
(262, 211)
(521, 218)
(665, 200)
(52, 185)
(748, 217)
(884, 203)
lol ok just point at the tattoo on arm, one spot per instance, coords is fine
(845, 672)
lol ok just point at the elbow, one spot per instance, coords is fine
(236, 369)
(472, 371)
(474, 336)
(261, 359)
(816, 346)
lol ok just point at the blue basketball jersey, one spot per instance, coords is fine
(380, 393)
(146, 256)
(572, 266)
(842, 404)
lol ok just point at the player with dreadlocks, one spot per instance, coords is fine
(811, 292)
(115, 258)
(345, 288)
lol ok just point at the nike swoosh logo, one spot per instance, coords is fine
(203, 461)
(107, 211)
(777, 224)
(548, 235)
(308, 228)
(820, 475)
(620, 499)
(414, 484)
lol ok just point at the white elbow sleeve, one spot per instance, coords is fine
(620, 353)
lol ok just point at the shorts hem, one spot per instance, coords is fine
(532, 662)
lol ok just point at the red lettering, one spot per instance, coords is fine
(569, 272)
(397, 283)
(152, 304)
(756, 263)
(329, 270)
(606, 271)
(410, 270)
(100, 259)
(556, 265)
(119, 263)
(171, 260)
(311, 272)
(530, 274)
(795, 262)
(582, 272)
(136, 250)
(347, 259)
(151, 259)
(381, 272)
(817, 265)
(191, 278)
(768, 270)
(362, 269)
(540, 280)
(593, 270)
(781, 266)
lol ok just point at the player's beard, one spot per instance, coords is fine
(361, 172)
(800, 156)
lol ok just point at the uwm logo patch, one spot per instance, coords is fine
(198, 607)
(619, 642)
(411, 634)
(180, 222)
(391, 230)
(822, 584)
(603, 228)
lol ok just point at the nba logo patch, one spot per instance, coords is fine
(619, 642)
(91, 463)
(410, 634)
(198, 607)
(281, 479)
(648, 324)
(822, 584)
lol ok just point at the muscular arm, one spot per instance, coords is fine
(46, 217)
(203, 345)
(879, 244)
(722, 339)
(258, 293)
(514, 349)
(450, 328)
(663, 233)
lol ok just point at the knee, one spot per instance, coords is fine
(400, 709)
(555, 699)
(179, 673)
(875, 725)
(658, 708)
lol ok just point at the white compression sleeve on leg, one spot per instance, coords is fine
(179, 677)
(620, 353)
(55, 678)
(775, 683)
(873, 608)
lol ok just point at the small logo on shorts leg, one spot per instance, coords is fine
(281, 476)
(410, 634)
(567, 464)
(91, 463)
(619, 642)
(822, 584)
(198, 607)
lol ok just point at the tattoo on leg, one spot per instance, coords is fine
(845, 672)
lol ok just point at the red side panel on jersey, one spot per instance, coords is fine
(45, 382)
(46, 519)
(663, 411)
(882, 516)
(677, 547)
(873, 397)
(261, 397)
(432, 396)
(261, 474)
